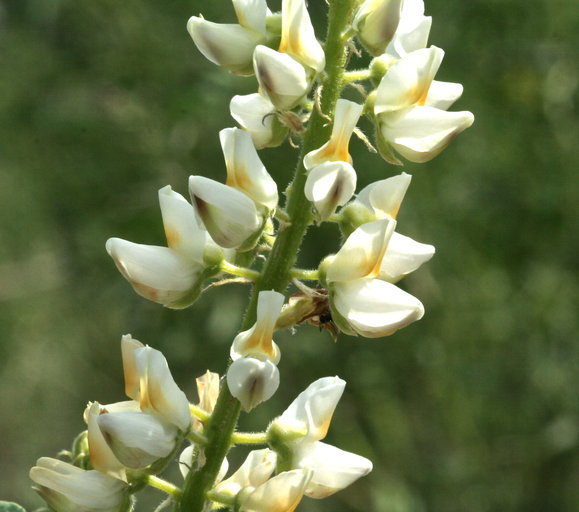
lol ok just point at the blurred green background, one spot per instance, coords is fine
(474, 408)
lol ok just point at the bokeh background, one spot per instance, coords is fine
(474, 408)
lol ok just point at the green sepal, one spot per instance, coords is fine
(195, 291)
(353, 216)
(80, 454)
(385, 149)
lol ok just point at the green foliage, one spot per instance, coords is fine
(8, 506)
(472, 408)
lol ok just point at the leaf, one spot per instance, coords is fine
(8, 506)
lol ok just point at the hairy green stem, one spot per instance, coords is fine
(276, 271)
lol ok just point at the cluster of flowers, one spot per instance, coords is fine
(408, 108)
(226, 224)
(127, 442)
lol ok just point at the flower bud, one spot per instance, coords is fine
(245, 171)
(255, 114)
(345, 119)
(329, 185)
(208, 390)
(252, 381)
(332, 469)
(228, 214)
(67, 488)
(137, 439)
(376, 22)
(281, 78)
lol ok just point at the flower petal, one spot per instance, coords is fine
(227, 45)
(245, 171)
(403, 256)
(228, 214)
(333, 469)
(407, 82)
(362, 252)
(374, 308)
(281, 78)
(421, 133)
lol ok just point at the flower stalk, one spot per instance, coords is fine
(276, 272)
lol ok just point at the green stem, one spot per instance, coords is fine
(307, 275)
(232, 269)
(163, 485)
(358, 75)
(199, 413)
(249, 438)
(276, 271)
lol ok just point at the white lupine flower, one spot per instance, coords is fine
(312, 410)
(253, 376)
(258, 466)
(298, 38)
(186, 461)
(252, 381)
(345, 118)
(282, 493)
(254, 113)
(257, 341)
(245, 170)
(329, 185)
(403, 256)
(230, 45)
(171, 275)
(361, 303)
(229, 215)
(156, 273)
(421, 133)
(333, 469)
(157, 392)
(311, 413)
(137, 439)
(376, 22)
(281, 78)
(372, 308)
(67, 488)
(409, 116)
